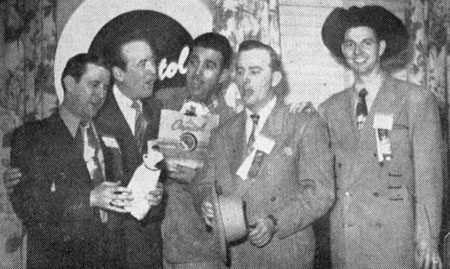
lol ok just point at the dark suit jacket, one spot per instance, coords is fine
(294, 184)
(52, 199)
(142, 239)
(378, 206)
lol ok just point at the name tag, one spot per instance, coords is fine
(382, 123)
(110, 141)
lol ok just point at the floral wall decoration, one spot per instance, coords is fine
(240, 20)
(26, 93)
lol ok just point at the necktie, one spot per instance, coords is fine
(91, 147)
(361, 109)
(140, 126)
(251, 139)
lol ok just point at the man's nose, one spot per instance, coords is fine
(150, 67)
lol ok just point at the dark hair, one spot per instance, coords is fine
(114, 53)
(76, 66)
(216, 42)
(281, 89)
(275, 62)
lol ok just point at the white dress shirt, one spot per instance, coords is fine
(263, 115)
(125, 106)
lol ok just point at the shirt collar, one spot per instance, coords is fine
(70, 120)
(264, 112)
(121, 99)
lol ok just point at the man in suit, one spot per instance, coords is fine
(386, 139)
(68, 175)
(289, 183)
(187, 243)
(132, 117)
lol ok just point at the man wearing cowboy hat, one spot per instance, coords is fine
(386, 138)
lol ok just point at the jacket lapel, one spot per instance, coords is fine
(237, 143)
(386, 102)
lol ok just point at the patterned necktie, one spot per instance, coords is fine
(91, 148)
(140, 126)
(251, 139)
(361, 109)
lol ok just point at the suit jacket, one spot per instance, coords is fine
(294, 184)
(52, 199)
(378, 206)
(140, 240)
(186, 238)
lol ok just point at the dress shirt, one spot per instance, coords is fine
(71, 121)
(372, 91)
(263, 115)
(125, 104)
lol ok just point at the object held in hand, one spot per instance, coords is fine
(143, 181)
(230, 221)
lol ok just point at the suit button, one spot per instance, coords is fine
(339, 165)
(347, 194)
(376, 194)
(273, 199)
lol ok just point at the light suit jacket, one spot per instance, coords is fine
(294, 184)
(373, 222)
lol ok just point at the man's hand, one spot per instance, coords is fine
(427, 255)
(261, 232)
(155, 197)
(111, 196)
(208, 212)
(298, 107)
(183, 174)
(11, 177)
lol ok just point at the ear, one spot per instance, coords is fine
(276, 78)
(69, 83)
(381, 47)
(224, 75)
(117, 73)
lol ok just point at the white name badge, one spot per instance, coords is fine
(110, 141)
(383, 121)
(264, 144)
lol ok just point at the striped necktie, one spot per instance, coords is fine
(251, 139)
(140, 126)
(91, 148)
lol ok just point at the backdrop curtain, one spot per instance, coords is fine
(429, 25)
(28, 33)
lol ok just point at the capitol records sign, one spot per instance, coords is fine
(184, 139)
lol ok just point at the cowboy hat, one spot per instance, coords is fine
(385, 24)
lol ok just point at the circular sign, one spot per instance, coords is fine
(89, 18)
(188, 141)
(167, 37)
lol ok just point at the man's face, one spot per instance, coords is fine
(255, 78)
(362, 51)
(204, 73)
(85, 97)
(140, 74)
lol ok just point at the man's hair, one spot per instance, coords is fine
(275, 62)
(76, 66)
(114, 52)
(216, 42)
(281, 89)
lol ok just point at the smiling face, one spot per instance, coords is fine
(362, 50)
(137, 80)
(204, 73)
(255, 78)
(85, 97)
